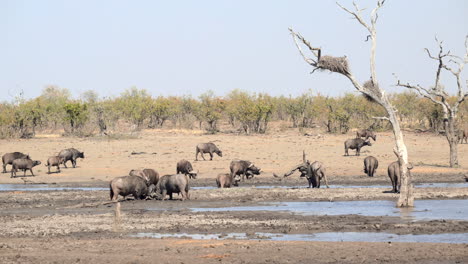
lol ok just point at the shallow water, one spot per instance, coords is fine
(328, 236)
(339, 186)
(51, 187)
(423, 209)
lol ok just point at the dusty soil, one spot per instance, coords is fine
(81, 226)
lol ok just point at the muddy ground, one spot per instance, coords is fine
(81, 226)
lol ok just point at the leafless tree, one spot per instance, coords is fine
(370, 89)
(439, 95)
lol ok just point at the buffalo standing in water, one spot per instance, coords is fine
(395, 175)
(313, 172)
(226, 180)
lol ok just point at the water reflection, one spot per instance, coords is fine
(423, 210)
(327, 236)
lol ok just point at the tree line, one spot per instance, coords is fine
(245, 112)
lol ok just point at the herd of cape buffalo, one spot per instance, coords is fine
(147, 184)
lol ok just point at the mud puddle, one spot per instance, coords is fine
(322, 237)
(423, 209)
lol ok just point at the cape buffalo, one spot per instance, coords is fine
(185, 167)
(207, 148)
(169, 184)
(395, 175)
(365, 133)
(314, 172)
(463, 134)
(54, 161)
(23, 164)
(128, 185)
(72, 155)
(370, 165)
(225, 180)
(243, 168)
(8, 158)
(357, 144)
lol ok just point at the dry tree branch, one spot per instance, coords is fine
(381, 118)
(295, 37)
(357, 15)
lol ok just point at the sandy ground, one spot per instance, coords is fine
(276, 153)
(80, 226)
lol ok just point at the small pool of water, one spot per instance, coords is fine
(423, 209)
(46, 187)
(339, 186)
(51, 187)
(325, 237)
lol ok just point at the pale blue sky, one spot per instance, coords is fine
(189, 47)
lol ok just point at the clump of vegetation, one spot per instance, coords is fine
(135, 109)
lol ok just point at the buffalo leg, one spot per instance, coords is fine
(58, 168)
(170, 196)
(201, 153)
(346, 152)
(211, 155)
(358, 150)
(48, 169)
(74, 163)
(32, 173)
(4, 167)
(65, 164)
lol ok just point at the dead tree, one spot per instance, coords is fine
(438, 95)
(370, 89)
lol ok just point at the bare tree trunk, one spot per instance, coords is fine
(452, 138)
(406, 188)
